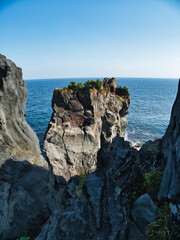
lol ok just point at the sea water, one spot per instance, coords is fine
(149, 112)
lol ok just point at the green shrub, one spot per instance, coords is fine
(149, 149)
(24, 238)
(94, 84)
(72, 86)
(79, 87)
(134, 196)
(82, 178)
(79, 187)
(66, 88)
(162, 228)
(123, 88)
(152, 179)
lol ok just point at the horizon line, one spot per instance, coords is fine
(32, 79)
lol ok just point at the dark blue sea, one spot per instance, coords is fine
(149, 112)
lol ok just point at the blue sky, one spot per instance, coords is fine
(92, 38)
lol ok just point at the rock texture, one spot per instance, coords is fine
(36, 203)
(26, 199)
(170, 186)
(97, 205)
(80, 123)
(15, 134)
(144, 212)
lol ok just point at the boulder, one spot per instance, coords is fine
(144, 212)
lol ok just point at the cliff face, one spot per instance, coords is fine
(80, 122)
(170, 186)
(16, 136)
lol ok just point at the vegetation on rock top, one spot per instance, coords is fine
(90, 84)
(122, 88)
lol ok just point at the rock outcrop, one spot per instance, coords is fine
(81, 121)
(98, 205)
(16, 136)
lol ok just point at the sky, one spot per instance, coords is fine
(92, 38)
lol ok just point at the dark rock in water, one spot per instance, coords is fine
(80, 122)
(144, 212)
(15, 134)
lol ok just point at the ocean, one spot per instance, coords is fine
(149, 112)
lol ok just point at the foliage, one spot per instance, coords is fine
(123, 88)
(79, 187)
(75, 87)
(94, 84)
(82, 178)
(152, 179)
(65, 88)
(149, 149)
(134, 196)
(162, 228)
(79, 86)
(24, 238)
(107, 87)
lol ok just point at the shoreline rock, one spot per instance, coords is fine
(81, 121)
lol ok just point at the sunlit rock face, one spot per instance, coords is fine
(81, 122)
(15, 134)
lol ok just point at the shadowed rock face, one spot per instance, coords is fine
(80, 122)
(170, 186)
(15, 134)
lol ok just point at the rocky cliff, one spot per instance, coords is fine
(16, 136)
(82, 120)
(170, 186)
(113, 202)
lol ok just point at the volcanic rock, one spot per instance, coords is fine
(81, 122)
(15, 134)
